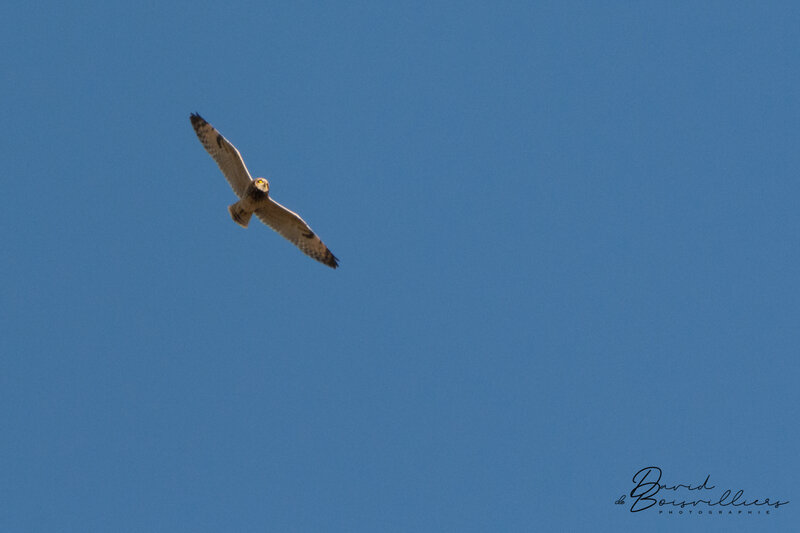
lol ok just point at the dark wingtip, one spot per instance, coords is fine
(196, 119)
(331, 260)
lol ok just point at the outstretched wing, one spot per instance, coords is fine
(294, 228)
(224, 153)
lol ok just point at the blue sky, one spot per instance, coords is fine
(568, 236)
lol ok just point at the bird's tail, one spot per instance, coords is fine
(239, 214)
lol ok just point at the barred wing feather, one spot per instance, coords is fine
(224, 153)
(293, 228)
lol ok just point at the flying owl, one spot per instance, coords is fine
(254, 196)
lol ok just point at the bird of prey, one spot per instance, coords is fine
(254, 196)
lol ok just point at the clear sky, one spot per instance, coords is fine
(568, 235)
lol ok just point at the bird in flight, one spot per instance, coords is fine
(254, 196)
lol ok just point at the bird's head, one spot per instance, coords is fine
(262, 185)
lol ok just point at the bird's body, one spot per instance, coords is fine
(254, 196)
